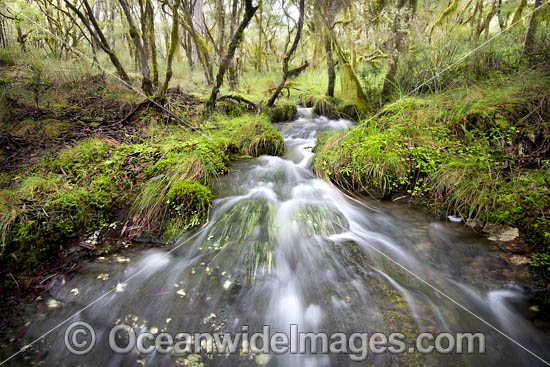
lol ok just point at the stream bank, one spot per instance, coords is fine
(283, 247)
(477, 154)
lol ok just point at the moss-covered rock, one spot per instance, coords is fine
(349, 110)
(230, 109)
(326, 107)
(257, 137)
(188, 202)
(285, 111)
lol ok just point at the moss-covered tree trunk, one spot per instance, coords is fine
(289, 54)
(200, 45)
(233, 76)
(98, 36)
(174, 41)
(350, 85)
(220, 20)
(235, 42)
(146, 83)
(528, 47)
(331, 67)
(150, 35)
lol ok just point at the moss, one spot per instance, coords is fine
(368, 159)
(285, 111)
(325, 107)
(404, 105)
(196, 159)
(76, 160)
(188, 202)
(257, 137)
(230, 109)
(36, 239)
(349, 110)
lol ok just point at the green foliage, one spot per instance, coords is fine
(282, 112)
(230, 109)
(76, 161)
(450, 149)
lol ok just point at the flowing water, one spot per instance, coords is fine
(283, 248)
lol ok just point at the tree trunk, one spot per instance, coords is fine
(350, 84)
(331, 67)
(289, 54)
(150, 26)
(21, 38)
(196, 23)
(146, 83)
(173, 46)
(529, 44)
(487, 22)
(200, 50)
(235, 42)
(99, 37)
(233, 76)
(220, 19)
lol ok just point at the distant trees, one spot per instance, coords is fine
(236, 40)
(344, 39)
(288, 55)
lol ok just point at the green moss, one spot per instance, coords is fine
(349, 110)
(404, 105)
(230, 109)
(325, 107)
(76, 161)
(196, 159)
(285, 111)
(368, 159)
(188, 202)
(255, 136)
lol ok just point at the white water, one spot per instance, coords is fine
(317, 268)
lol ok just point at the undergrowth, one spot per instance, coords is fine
(479, 152)
(157, 184)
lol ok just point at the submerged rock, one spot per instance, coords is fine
(498, 232)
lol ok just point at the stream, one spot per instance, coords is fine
(283, 248)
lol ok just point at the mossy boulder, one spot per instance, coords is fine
(258, 137)
(188, 202)
(326, 107)
(283, 112)
(230, 108)
(349, 110)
